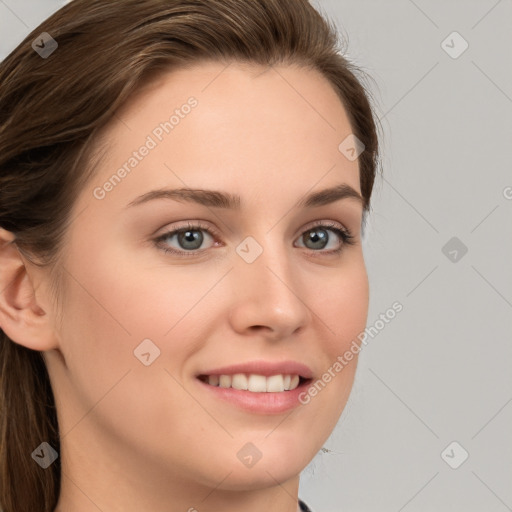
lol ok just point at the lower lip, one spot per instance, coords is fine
(263, 403)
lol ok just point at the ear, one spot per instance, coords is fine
(21, 317)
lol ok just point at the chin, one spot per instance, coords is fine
(260, 465)
(260, 476)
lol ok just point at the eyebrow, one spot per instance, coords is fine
(217, 199)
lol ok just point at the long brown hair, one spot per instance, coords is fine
(51, 110)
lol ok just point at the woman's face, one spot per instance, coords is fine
(257, 282)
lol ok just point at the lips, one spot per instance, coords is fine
(272, 401)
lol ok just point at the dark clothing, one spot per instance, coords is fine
(304, 507)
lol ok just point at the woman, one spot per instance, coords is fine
(183, 185)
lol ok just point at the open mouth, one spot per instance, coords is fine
(256, 393)
(256, 383)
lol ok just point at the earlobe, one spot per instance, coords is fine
(21, 318)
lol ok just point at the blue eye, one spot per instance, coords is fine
(319, 237)
(190, 238)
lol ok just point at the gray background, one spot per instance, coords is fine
(440, 371)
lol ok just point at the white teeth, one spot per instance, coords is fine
(239, 381)
(213, 380)
(255, 383)
(225, 381)
(275, 383)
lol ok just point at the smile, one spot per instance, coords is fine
(264, 394)
(254, 382)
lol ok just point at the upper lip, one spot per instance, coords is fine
(266, 368)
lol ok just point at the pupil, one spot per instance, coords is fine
(315, 237)
(193, 237)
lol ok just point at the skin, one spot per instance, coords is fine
(136, 437)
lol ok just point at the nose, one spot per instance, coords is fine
(269, 298)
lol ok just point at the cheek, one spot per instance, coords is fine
(126, 296)
(97, 332)
(343, 306)
(344, 309)
(96, 337)
(108, 312)
(114, 302)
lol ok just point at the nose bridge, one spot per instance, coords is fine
(268, 290)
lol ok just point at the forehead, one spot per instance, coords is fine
(264, 100)
(240, 127)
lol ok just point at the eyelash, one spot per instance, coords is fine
(343, 233)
